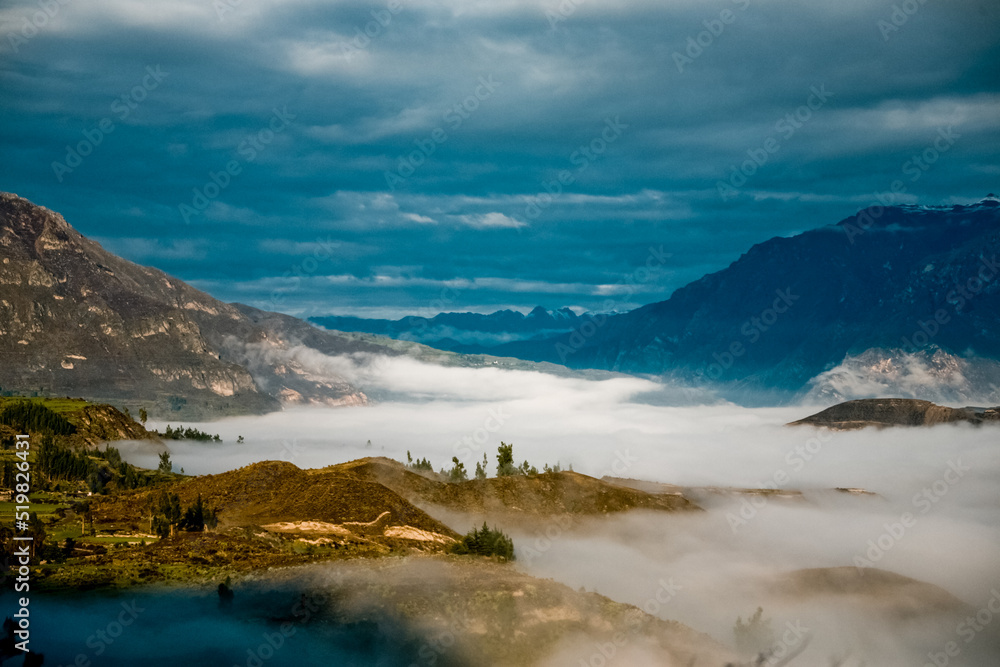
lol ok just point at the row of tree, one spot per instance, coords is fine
(181, 433)
(58, 462)
(34, 417)
(486, 542)
(166, 512)
(505, 466)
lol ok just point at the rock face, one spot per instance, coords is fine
(77, 320)
(910, 277)
(882, 412)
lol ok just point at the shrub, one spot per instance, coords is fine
(486, 542)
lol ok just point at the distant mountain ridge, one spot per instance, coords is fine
(888, 278)
(464, 332)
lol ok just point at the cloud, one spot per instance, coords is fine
(354, 118)
(635, 428)
(491, 221)
(934, 376)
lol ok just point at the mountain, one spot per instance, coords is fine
(882, 412)
(907, 278)
(77, 320)
(465, 332)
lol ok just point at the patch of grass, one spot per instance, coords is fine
(43, 509)
(63, 406)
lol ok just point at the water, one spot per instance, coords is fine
(156, 627)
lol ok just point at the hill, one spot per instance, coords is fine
(525, 497)
(91, 423)
(883, 412)
(272, 492)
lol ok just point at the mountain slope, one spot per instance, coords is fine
(75, 319)
(906, 277)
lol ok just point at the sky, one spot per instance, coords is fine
(410, 157)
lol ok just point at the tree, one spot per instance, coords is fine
(194, 517)
(143, 415)
(239, 440)
(486, 542)
(505, 460)
(526, 469)
(481, 468)
(165, 465)
(755, 637)
(457, 473)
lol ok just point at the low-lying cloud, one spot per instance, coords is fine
(935, 516)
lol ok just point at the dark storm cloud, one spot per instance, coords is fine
(229, 140)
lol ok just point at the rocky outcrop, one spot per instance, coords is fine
(77, 320)
(883, 412)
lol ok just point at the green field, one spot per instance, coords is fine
(60, 405)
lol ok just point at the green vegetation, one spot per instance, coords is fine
(165, 465)
(36, 417)
(505, 466)
(755, 637)
(57, 462)
(486, 542)
(457, 472)
(420, 464)
(181, 433)
(505, 462)
(166, 513)
(63, 406)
